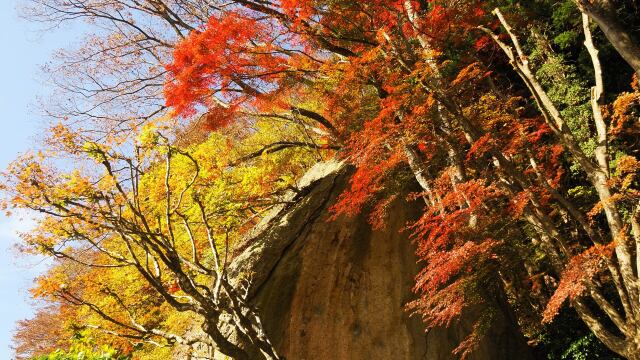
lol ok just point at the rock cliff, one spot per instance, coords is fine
(336, 289)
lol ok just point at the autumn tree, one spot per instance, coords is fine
(150, 233)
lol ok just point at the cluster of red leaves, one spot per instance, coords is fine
(298, 10)
(375, 147)
(219, 116)
(581, 268)
(365, 183)
(229, 49)
(446, 227)
(364, 17)
(459, 256)
(451, 21)
(378, 216)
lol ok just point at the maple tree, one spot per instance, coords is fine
(528, 173)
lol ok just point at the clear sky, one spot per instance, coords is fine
(23, 50)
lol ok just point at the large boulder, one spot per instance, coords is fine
(336, 289)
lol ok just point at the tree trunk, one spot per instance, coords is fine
(605, 16)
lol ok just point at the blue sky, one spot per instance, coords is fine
(24, 49)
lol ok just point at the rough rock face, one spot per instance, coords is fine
(336, 289)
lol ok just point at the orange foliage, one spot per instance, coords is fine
(580, 269)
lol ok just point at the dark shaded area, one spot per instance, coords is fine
(567, 338)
